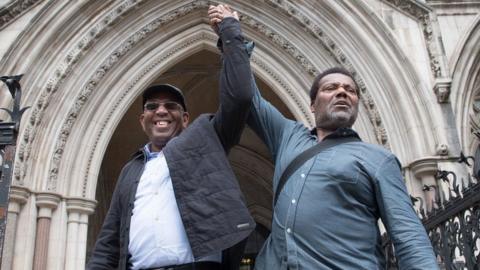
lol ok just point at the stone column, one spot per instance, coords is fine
(46, 203)
(78, 211)
(18, 197)
(425, 170)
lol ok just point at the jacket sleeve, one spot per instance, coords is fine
(236, 87)
(106, 253)
(412, 245)
(240, 98)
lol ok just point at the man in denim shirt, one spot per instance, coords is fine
(326, 216)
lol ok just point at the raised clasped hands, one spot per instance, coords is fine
(218, 13)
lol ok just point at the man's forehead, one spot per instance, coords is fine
(336, 78)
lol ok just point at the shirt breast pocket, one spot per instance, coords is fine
(343, 168)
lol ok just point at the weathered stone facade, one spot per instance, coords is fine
(85, 62)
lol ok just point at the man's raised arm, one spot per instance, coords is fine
(236, 86)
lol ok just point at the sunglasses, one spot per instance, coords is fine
(169, 106)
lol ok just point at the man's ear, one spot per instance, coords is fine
(312, 108)
(140, 119)
(185, 118)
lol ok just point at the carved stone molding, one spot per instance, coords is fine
(453, 4)
(282, 42)
(426, 17)
(442, 89)
(432, 35)
(64, 69)
(75, 54)
(67, 66)
(104, 68)
(14, 10)
(81, 206)
(125, 47)
(19, 194)
(424, 166)
(47, 202)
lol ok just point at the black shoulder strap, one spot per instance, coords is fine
(304, 156)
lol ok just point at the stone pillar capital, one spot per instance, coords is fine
(424, 166)
(19, 194)
(47, 202)
(81, 205)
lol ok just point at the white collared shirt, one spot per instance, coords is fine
(157, 234)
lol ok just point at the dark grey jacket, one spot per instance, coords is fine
(210, 202)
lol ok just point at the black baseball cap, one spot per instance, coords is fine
(152, 90)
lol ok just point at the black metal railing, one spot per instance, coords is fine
(8, 139)
(452, 220)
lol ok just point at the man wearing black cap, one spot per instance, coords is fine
(177, 204)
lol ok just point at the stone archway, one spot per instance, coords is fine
(466, 90)
(85, 72)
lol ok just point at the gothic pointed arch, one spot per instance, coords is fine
(466, 89)
(117, 53)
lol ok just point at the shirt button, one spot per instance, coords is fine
(294, 201)
(302, 175)
(289, 230)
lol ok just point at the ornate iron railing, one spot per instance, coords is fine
(8, 139)
(453, 220)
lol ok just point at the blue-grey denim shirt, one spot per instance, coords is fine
(327, 214)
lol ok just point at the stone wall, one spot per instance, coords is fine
(417, 64)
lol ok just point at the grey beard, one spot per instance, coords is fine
(335, 120)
